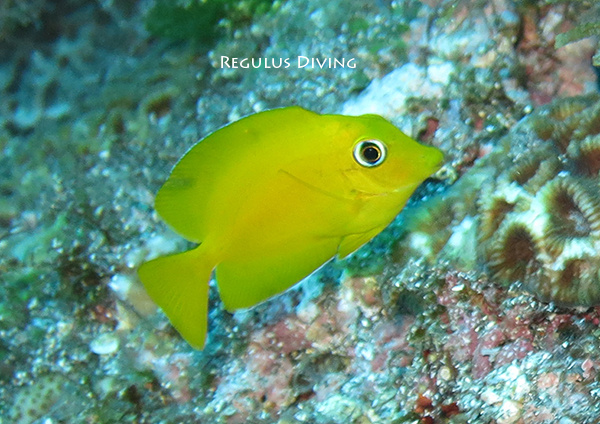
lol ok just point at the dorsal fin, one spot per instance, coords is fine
(186, 200)
(183, 198)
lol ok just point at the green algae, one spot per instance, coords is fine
(35, 248)
(15, 14)
(198, 21)
(587, 23)
(581, 31)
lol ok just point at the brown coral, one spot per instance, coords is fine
(493, 211)
(573, 212)
(589, 123)
(574, 283)
(586, 156)
(542, 169)
(539, 217)
(514, 253)
(559, 120)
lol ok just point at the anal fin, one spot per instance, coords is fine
(245, 282)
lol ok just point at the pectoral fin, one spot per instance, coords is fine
(351, 242)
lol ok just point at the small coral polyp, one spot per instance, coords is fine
(573, 212)
(563, 118)
(540, 217)
(586, 156)
(546, 166)
(574, 282)
(514, 253)
(496, 209)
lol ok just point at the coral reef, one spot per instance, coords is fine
(541, 216)
(536, 204)
(528, 212)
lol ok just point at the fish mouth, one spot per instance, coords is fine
(436, 160)
(432, 162)
(429, 169)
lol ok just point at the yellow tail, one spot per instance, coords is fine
(179, 285)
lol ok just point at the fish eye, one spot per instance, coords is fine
(370, 153)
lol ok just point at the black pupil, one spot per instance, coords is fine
(371, 153)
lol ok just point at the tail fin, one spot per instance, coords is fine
(179, 285)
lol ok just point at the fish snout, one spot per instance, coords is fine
(432, 159)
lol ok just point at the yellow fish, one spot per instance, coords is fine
(271, 198)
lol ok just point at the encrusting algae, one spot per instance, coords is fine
(271, 198)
